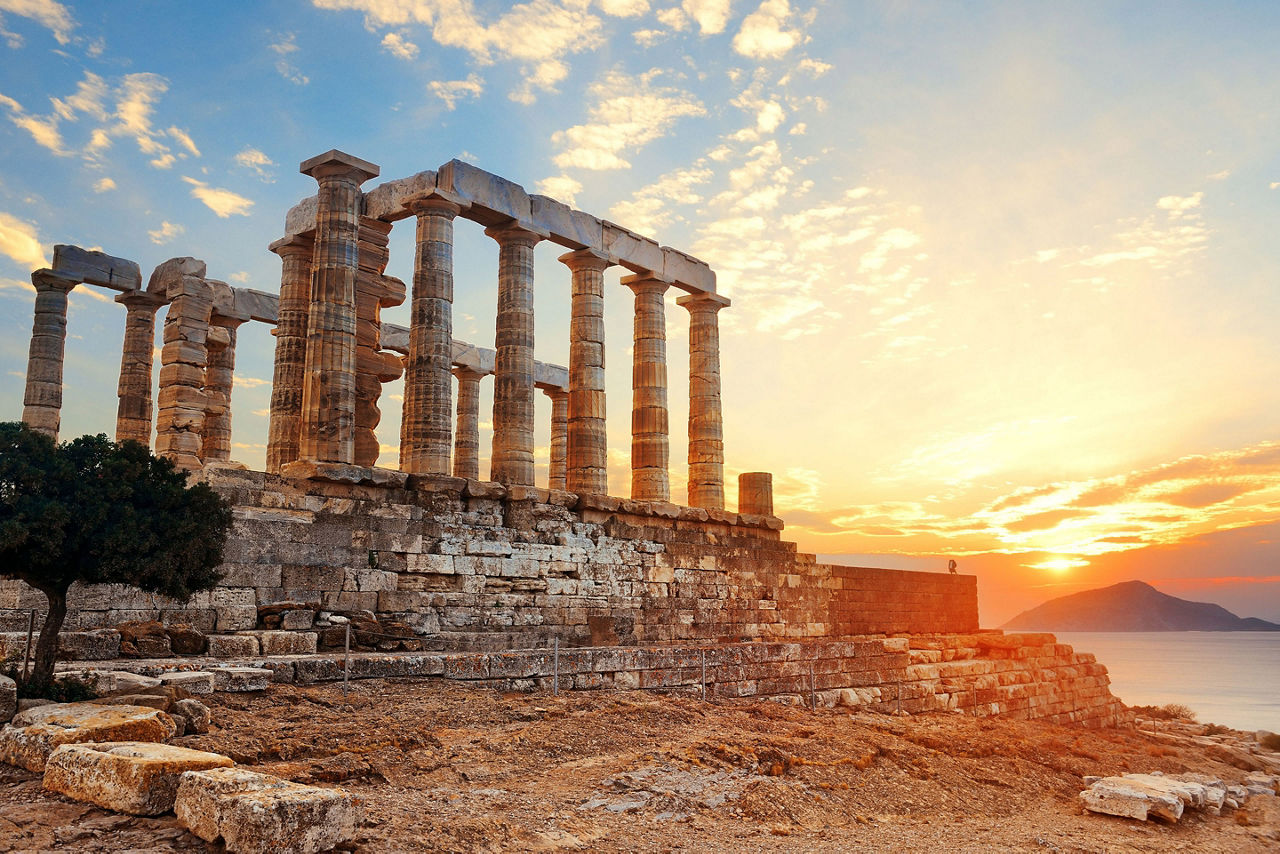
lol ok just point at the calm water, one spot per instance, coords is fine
(1230, 678)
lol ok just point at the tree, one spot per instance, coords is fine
(96, 512)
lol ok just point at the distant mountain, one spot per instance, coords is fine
(1132, 606)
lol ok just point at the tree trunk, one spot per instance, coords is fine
(47, 647)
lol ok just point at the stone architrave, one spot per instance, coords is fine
(426, 427)
(329, 378)
(706, 423)
(755, 493)
(650, 432)
(42, 402)
(219, 376)
(181, 406)
(559, 437)
(133, 415)
(466, 447)
(587, 451)
(291, 349)
(513, 383)
(374, 292)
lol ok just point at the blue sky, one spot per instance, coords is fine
(1004, 275)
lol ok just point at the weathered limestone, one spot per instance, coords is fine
(559, 436)
(329, 378)
(755, 493)
(425, 427)
(42, 402)
(513, 412)
(291, 349)
(133, 416)
(97, 268)
(219, 375)
(134, 777)
(587, 448)
(466, 443)
(650, 436)
(36, 733)
(374, 292)
(8, 698)
(706, 424)
(252, 812)
(182, 402)
(1144, 796)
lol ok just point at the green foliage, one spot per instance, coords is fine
(93, 511)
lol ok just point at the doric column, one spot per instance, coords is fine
(133, 415)
(219, 375)
(706, 425)
(291, 349)
(181, 405)
(559, 436)
(374, 292)
(428, 389)
(466, 442)
(650, 437)
(755, 493)
(588, 446)
(512, 456)
(42, 402)
(329, 378)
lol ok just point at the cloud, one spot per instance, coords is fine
(453, 91)
(560, 187)
(628, 114)
(624, 8)
(1178, 205)
(184, 140)
(763, 35)
(222, 202)
(102, 185)
(249, 382)
(398, 45)
(257, 162)
(653, 207)
(18, 240)
(711, 15)
(242, 277)
(285, 48)
(166, 232)
(1159, 241)
(48, 13)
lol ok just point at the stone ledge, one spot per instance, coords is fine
(139, 778)
(343, 473)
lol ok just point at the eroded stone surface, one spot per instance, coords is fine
(134, 777)
(8, 698)
(254, 812)
(36, 733)
(1144, 796)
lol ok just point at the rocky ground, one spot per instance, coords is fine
(445, 767)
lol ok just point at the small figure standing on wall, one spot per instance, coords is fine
(951, 567)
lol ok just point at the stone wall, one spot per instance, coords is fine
(476, 566)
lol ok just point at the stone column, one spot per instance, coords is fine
(42, 402)
(706, 425)
(466, 442)
(428, 389)
(291, 349)
(374, 292)
(755, 493)
(588, 446)
(133, 415)
(183, 358)
(512, 456)
(559, 436)
(329, 378)
(650, 437)
(219, 375)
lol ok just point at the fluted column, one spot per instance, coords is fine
(180, 408)
(291, 349)
(329, 378)
(133, 414)
(706, 424)
(428, 388)
(587, 443)
(219, 375)
(466, 442)
(513, 415)
(559, 436)
(650, 436)
(42, 402)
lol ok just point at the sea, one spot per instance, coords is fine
(1228, 678)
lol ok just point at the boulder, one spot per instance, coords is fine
(8, 699)
(241, 679)
(186, 640)
(143, 639)
(140, 778)
(36, 733)
(232, 646)
(1154, 795)
(194, 714)
(253, 812)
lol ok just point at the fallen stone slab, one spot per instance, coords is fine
(232, 646)
(140, 778)
(1144, 796)
(240, 679)
(252, 812)
(191, 681)
(36, 733)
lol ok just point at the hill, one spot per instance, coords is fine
(1132, 606)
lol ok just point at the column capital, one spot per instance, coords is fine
(435, 203)
(554, 392)
(339, 164)
(585, 259)
(704, 301)
(294, 244)
(514, 233)
(49, 280)
(462, 372)
(646, 283)
(228, 321)
(141, 300)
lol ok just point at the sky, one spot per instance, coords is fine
(1005, 277)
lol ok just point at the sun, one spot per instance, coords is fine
(1060, 565)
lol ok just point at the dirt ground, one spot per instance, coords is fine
(446, 767)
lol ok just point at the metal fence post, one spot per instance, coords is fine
(346, 660)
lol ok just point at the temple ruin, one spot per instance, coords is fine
(481, 576)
